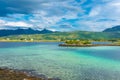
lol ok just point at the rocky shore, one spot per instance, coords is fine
(87, 45)
(11, 74)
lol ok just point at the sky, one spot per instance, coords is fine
(60, 15)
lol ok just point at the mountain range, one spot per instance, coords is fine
(45, 34)
(23, 31)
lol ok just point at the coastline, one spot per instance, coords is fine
(29, 41)
(87, 45)
(13, 74)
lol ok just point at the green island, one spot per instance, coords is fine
(89, 43)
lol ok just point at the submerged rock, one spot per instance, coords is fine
(10, 74)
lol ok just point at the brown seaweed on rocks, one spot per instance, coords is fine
(12, 74)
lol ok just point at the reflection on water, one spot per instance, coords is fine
(101, 42)
(88, 63)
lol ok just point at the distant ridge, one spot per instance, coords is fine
(113, 29)
(23, 31)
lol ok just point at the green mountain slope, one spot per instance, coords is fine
(66, 36)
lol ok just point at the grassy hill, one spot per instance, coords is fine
(60, 36)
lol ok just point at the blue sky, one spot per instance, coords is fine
(60, 15)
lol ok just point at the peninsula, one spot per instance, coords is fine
(88, 43)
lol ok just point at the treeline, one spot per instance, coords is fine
(79, 42)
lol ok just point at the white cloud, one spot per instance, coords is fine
(4, 23)
(102, 16)
(42, 21)
(47, 13)
(109, 10)
(22, 24)
(96, 26)
(95, 11)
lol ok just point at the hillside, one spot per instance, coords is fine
(113, 29)
(59, 36)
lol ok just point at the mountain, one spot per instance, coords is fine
(42, 35)
(23, 31)
(113, 29)
(61, 36)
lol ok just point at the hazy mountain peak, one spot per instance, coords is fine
(113, 29)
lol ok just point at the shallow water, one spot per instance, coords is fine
(81, 63)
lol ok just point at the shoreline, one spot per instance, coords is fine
(87, 45)
(29, 41)
(14, 74)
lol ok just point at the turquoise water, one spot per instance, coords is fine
(81, 63)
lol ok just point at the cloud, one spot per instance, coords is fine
(13, 24)
(95, 11)
(39, 13)
(95, 15)
(51, 7)
(104, 14)
(2, 21)
(22, 24)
